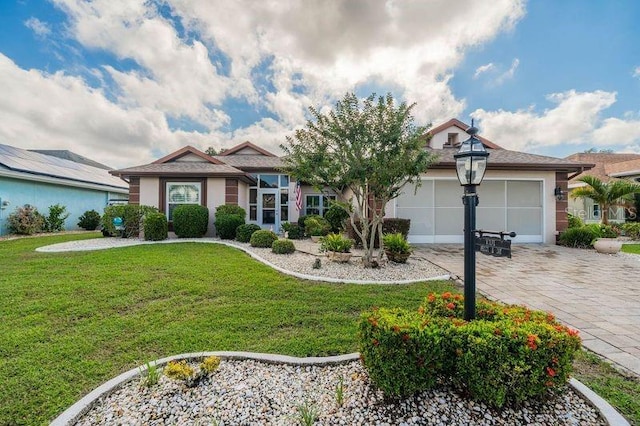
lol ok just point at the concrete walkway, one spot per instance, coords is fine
(597, 294)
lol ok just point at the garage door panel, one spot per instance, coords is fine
(421, 220)
(525, 221)
(448, 193)
(491, 219)
(422, 198)
(524, 194)
(449, 221)
(491, 193)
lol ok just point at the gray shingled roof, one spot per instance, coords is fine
(503, 158)
(181, 168)
(249, 162)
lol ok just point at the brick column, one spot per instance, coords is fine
(134, 190)
(562, 222)
(231, 192)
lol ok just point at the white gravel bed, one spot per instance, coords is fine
(300, 262)
(254, 393)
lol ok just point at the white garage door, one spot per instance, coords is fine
(436, 210)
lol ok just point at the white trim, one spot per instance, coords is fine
(58, 181)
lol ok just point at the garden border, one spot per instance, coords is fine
(253, 255)
(72, 414)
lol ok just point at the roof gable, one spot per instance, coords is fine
(454, 122)
(246, 148)
(187, 151)
(606, 165)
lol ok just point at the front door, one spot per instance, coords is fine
(269, 208)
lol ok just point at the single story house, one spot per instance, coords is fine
(42, 180)
(607, 167)
(517, 194)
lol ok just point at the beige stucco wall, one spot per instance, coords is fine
(150, 191)
(215, 198)
(439, 139)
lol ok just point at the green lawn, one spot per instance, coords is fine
(631, 248)
(70, 321)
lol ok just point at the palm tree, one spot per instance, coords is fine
(617, 193)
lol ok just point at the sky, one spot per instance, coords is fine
(125, 82)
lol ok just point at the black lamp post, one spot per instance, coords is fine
(471, 163)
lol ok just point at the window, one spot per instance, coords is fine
(313, 205)
(596, 211)
(179, 193)
(452, 139)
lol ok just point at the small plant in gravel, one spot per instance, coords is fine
(340, 392)
(336, 243)
(283, 247)
(308, 413)
(179, 370)
(152, 376)
(263, 239)
(210, 364)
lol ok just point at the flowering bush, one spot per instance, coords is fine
(507, 355)
(179, 370)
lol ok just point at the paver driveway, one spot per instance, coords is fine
(597, 294)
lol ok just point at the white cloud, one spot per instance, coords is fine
(636, 72)
(575, 119)
(508, 75)
(483, 69)
(41, 29)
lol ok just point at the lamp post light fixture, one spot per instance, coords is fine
(471, 163)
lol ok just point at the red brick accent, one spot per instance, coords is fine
(134, 190)
(231, 192)
(562, 222)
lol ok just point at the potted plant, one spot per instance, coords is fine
(396, 247)
(337, 247)
(607, 241)
(316, 227)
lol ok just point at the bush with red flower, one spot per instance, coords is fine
(507, 355)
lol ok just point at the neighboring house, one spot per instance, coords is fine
(517, 193)
(28, 177)
(607, 167)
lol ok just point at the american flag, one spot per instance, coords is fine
(298, 196)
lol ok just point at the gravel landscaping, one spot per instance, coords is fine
(301, 262)
(250, 392)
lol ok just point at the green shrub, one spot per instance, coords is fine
(54, 221)
(574, 221)
(228, 218)
(90, 220)
(389, 226)
(303, 218)
(578, 237)
(508, 354)
(25, 220)
(337, 217)
(632, 230)
(190, 220)
(263, 238)
(283, 247)
(244, 232)
(396, 247)
(316, 226)
(293, 230)
(603, 231)
(227, 225)
(132, 216)
(210, 364)
(156, 227)
(227, 209)
(402, 352)
(336, 243)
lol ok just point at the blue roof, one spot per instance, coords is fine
(21, 160)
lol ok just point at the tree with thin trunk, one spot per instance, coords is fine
(616, 193)
(366, 153)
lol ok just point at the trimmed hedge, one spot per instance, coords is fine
(507, 355)
(263, 238)
(228, 218)
(337, 217)
(227, 224)
(389, 226)
(574, 221)
(283, 247)
(190, 220)
(316, 226)
(132, 216)
(293, 230)
(583, 236)
(304, 217)
(156, 227)
(244, 232)
(90, 220)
